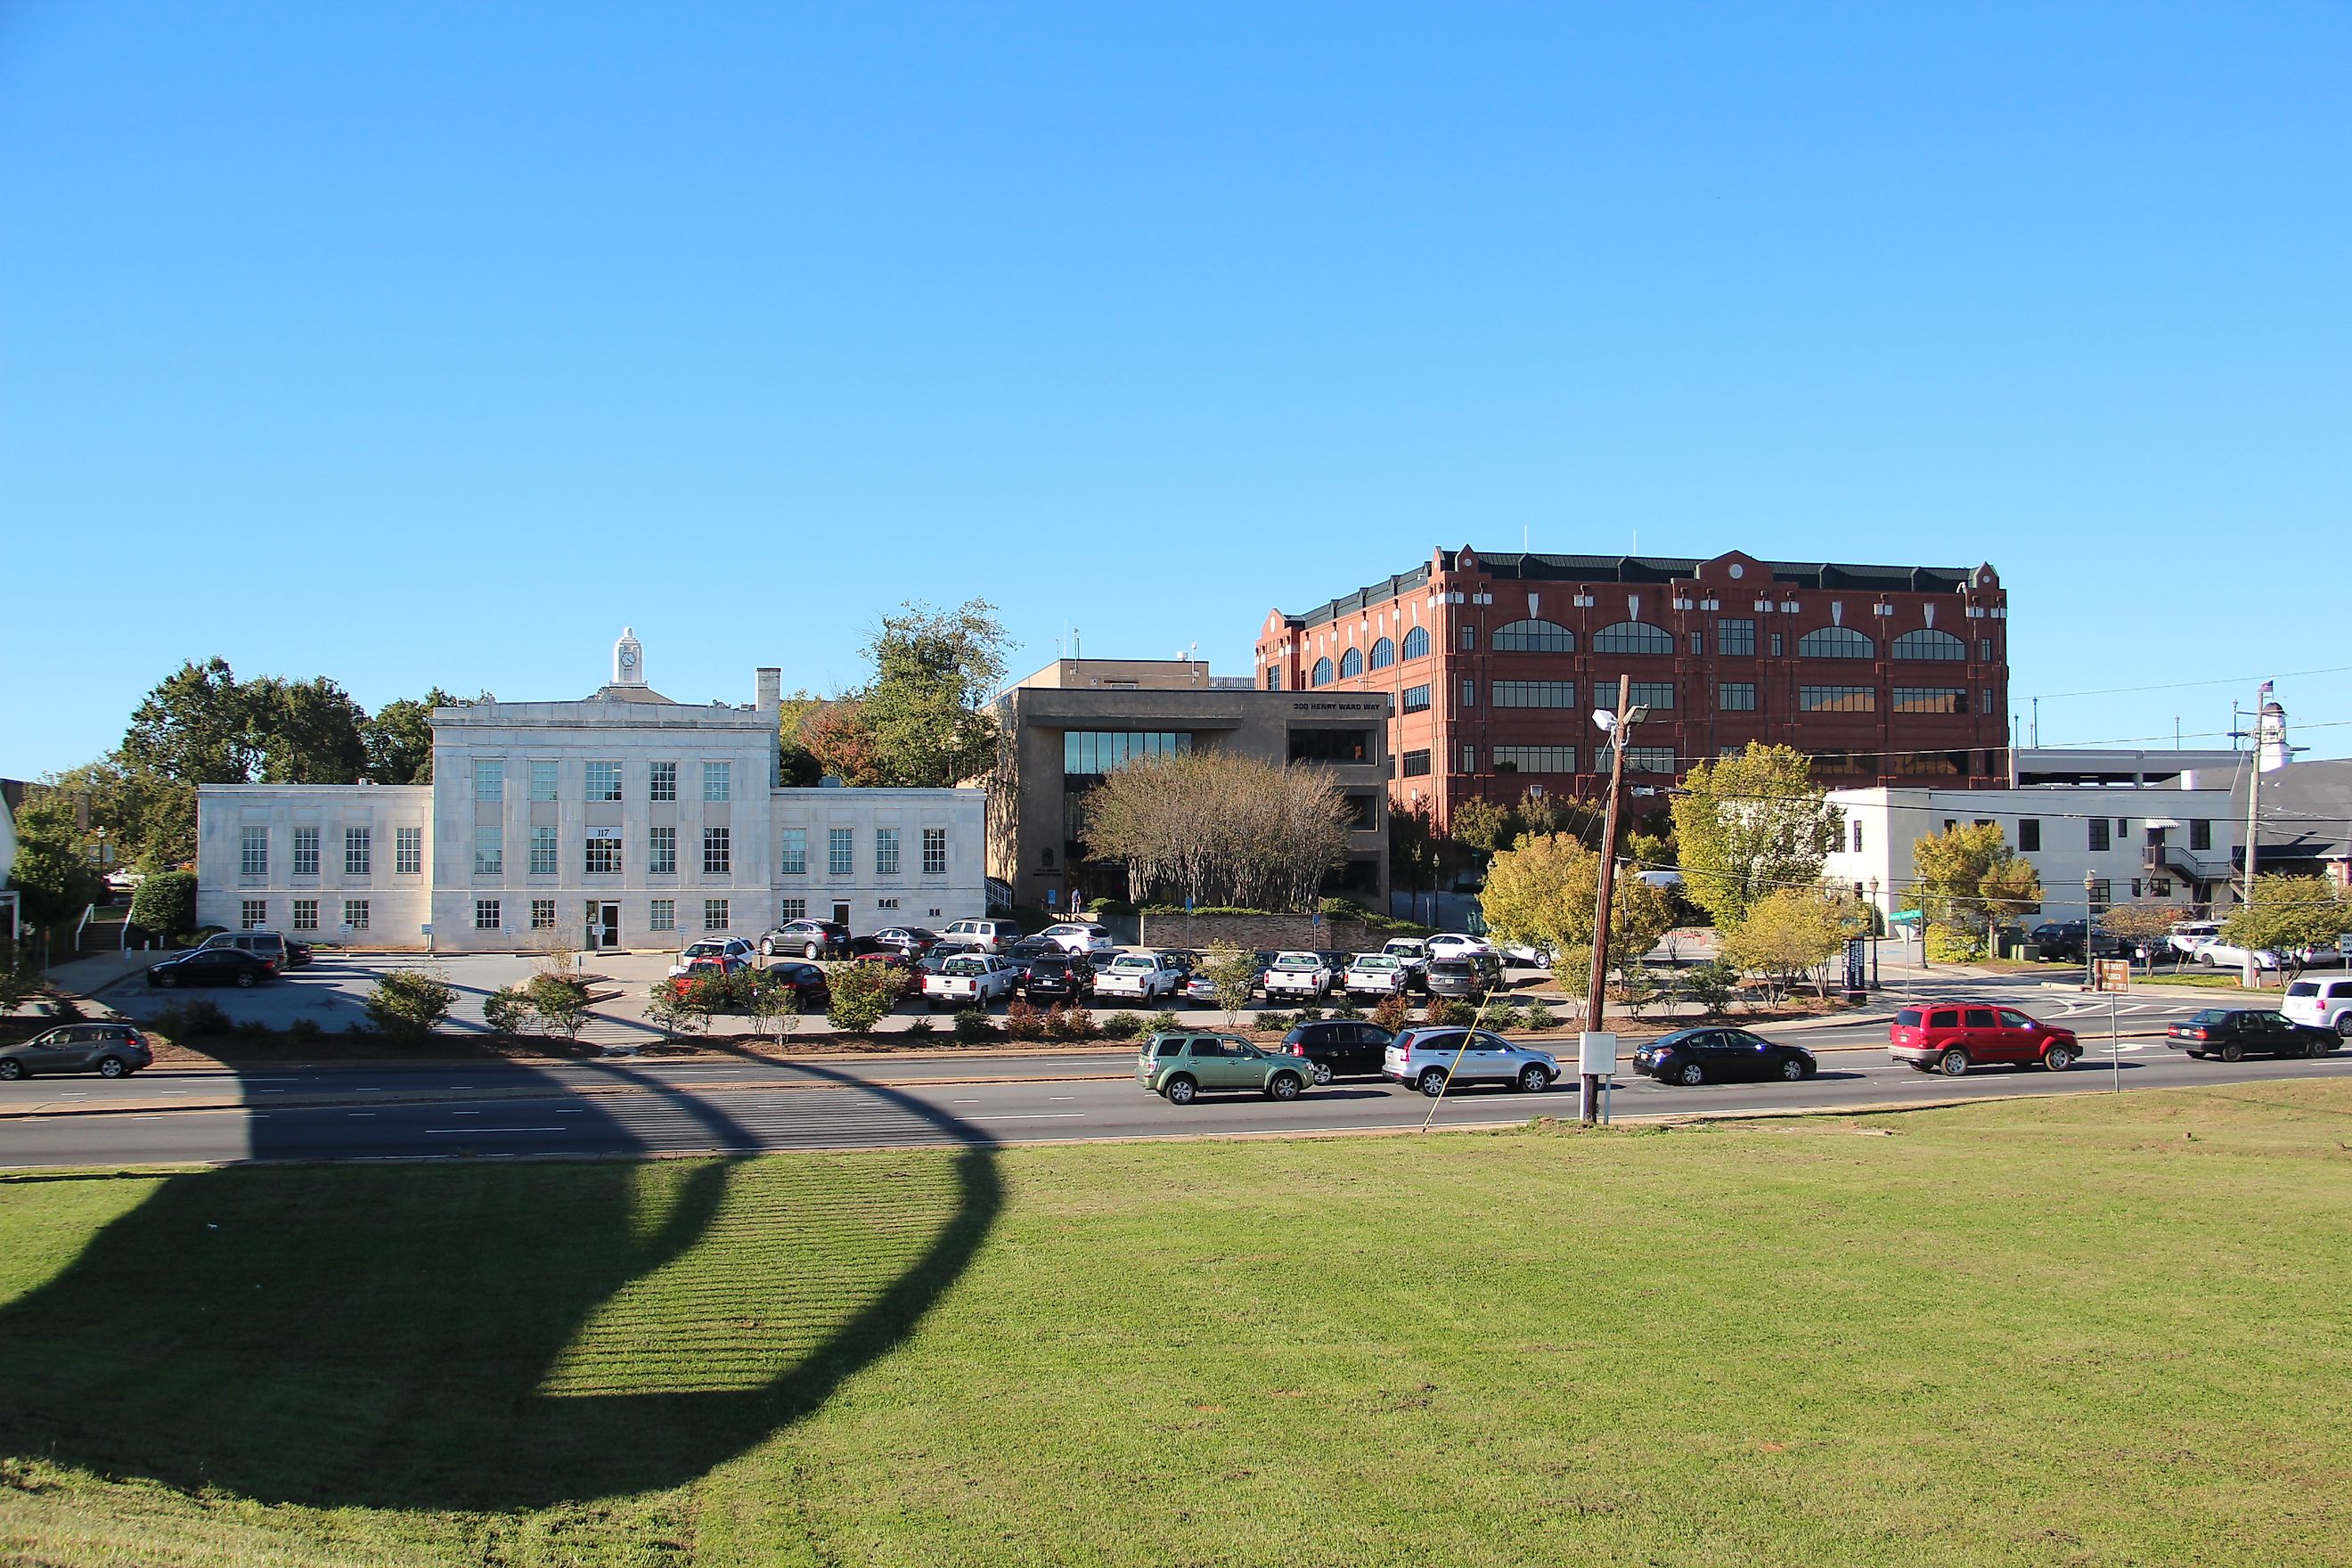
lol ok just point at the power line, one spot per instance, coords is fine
(2184, 685)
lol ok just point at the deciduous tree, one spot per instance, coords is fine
(304, 731)
(934, 671)
(1545, 892)
(1219, 828)
(2288, 914)
(398, 737)
(1792, 932)
(1969, 878)
(1750, 825)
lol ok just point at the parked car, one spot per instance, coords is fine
(807, 984)
(1435, 1059)
(947, 950)
(1375, 974)
(2320, 1004)
(2061, 942)
(1694, 1056)
(1950, 1037)
(107, 1050)
(971, 981)
(280, 954)
(1410, 951)
(810, 939)
(2234, 1033)
(2220, 954)
(1199, 988)
(1020, 953)
(1461, 978)
(1181, 1067)
(1145, 976)
(1056, 977)
(910, 941)
(211, 966)
(993, 935)
(1080, 936)
(707, 964)
(1455, 944)
(1340, 1048)
(1297, 975)
(2189, 935)
(734, 947)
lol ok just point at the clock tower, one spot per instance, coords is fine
(628, 660)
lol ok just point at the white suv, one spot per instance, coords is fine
(2322, 1003)
(1079, 936)
(993, 935)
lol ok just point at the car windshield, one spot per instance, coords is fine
(1374, 961)
(1298, 961)
(1131, 964)
(966, 967)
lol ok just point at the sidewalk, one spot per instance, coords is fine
(87, 977)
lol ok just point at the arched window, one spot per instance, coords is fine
(1633, 636)
(1321, 674)
(1416, 642)
(1351, 663)
(1537, 637)
(1383, 654)
(1836, 642)
(1930, 645)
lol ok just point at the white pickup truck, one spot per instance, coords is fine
(972, 979)
(1376, 975)
(1296, 974)
(1143, 975)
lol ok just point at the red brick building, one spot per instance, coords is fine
(1884, 674)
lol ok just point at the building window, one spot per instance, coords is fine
(793, 909)
(542, 914)
(357, 857)
(1835, 642)
(1649, 759)
(1351, 663)
(661, 852)
(1331, 745)
(2099, 836)
(1931, 699)
(2101, 894)
(715, 853)
(1646, 694)
(2160, 887)
(886, 903)
(2200, 834)
(1534, 637)
(543, 862)
(1934, 765)
(485, 914)
(714, 914)
(793, 860)
(408, 851)
(489, 779)
(1383, 654)
(253, 852)
(604, 851)
(840, 852)
(543, 781)
(718, 782)
(1469, 692)
(355, 913)
(886, 851)
(1416, 764)
(306, 914)
(1535, 759)
(2029, 833)
(252, 912)
(1321, 674)
(1736, 638)
(1776, 645)
(1273, 678)
(1099, 751)
(306, 851)
(1737, 696)
(1984, 650)
(490, 852)
(604, 782)
(1416, 642)
(1469, 639)
(1633, 636)
(1932, 645)
(663, 785)
(935, 851)
(662, 913)
(1855, 825)
(1416, 699)
(1836, 699)
(1535, 694)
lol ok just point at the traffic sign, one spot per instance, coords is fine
(2111, 975)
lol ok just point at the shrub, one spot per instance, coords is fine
(1441, 1010)
(772, 1001)
(1122, 1027)
(1637, 988)
(1022, 1021)
(972, 1026)
(409, 1004)
(1951, 944)
(1162, 1021)
(1271, 1024)
(1310, 1015)
(1711, 985)
(1503, 1016)
(192, 1020)
(165, 904)
(252, 1029)
(1347, 1010)
(1067, 1022)
(922, 1026)
(1541, 1017)
(862, 995)
(507, 1010)
(667, 1011)
(561, 1002)
(1392, 1011)
(305, 1030)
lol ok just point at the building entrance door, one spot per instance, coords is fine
(609, 925)
(840, 913)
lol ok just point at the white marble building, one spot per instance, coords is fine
(623, 818)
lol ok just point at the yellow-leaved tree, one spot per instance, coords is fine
(1545, 891)
(1789, 934)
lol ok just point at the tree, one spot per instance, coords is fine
(1481, 826)
(1968, 878)
(562, 1004)
(839, 745)
(2288, 915)
(1413, 848)
(409, 1004)
(1750, 825)
(1234, 975)
(52, 875)
(1791, 933)
(862, 995)
(1219, 828)
(2145, 925)
(1545, 891)
(164, 905)
(934, 672)
(304, 731)
(398, 741)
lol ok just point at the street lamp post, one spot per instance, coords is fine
(2090, 968)
(1614, 725)
(1873, 933)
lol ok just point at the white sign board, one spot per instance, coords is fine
(1596, 1052)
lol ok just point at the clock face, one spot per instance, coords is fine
(628, 659)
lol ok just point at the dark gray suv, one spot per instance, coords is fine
(110, 1050)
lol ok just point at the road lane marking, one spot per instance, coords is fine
(359, 1113)
(1034, 1116)
(488, 1132)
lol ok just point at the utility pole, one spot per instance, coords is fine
(1587, 1100)
(2249, 974)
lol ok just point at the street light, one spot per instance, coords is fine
(2090, 969)
(1613, 724)
(1873, 933)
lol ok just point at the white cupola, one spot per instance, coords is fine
(628, 660)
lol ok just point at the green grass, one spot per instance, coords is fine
(2101, 1330)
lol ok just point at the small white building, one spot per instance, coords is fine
(620, 820)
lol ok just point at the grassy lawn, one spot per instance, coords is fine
(2098, 1329)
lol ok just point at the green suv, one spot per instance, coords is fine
(1180, 1066)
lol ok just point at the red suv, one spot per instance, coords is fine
(1950, 1037)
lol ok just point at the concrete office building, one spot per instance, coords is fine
(1063, 728)
(623, 819)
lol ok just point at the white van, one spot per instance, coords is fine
(995, 936)
(2321, 1004)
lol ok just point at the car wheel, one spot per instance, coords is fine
(1322, 1071)
(245, 980)
(1792, 1070)
(1534, 1079)
(112, 1067)
(767, 947)
(1953, 1063)
(2343, 1025)
(2206, 959)
(1432, 1082)
(1692, 1075)
(2058, 1059)
(1180, 1089)
(812, 952)
(11, 1070)
(1283, 1085)
(2233, 1052)
(2316, 1048)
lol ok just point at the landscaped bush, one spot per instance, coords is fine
(772, 1001)
(1122, 1027)
(561, 1002)
(972, 1026)
(252, 1029)
(196, 1020)
(922, 1025)
(1022, 1021)
(1711, 985)
(507, 1010)
(1270, 1024)
(305, 1031)
(1070, 1022)
(1951, 944)
(1347, 1010)
(1162, 1021)
(1503, 1016)
(409, 1004)
(862, 994)
(164, 905)
(1442, 1010)
(1541, 1017)
(1392, 1011)
(668, 1010)
(1310, 1016)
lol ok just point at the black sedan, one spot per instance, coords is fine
(2232, 1033)
(210, 966)
(806, 982)
(1694, 1056)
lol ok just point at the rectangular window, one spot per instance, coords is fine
(1469, 639)
(1930, 700)
(718, 781)
(358, 857)
(2098, 833)
(1089, 752)
(715, 852)
(1649, 759)
(1535, 694)
(1273, 678)
(1469, 759)
(792, 909)
(2160, 887)
(840, 854)
(306, 914)
(253, 852)
(1855, 828)
(306, 851)
(661, 852)
(604, 782)
(2101, 894)
(490, 778)
(2200, 834)
(886, 851)
(1469, 692)
(408, 851)
(355, 913)
(1984, 650)
(1698, 643)
(542, 914)
(714, 914)
(1331, 745)
(1736, 638)
(935, 851)
(1836, 699)
(542, 852)
(1535, 759)
(2029, 833)
(1416, 699)
(1416, 764)
(1737, 697)
(1646, 694)
(485, 914)
(490, 852)
(603, 852)
(662, 913)
(793, 861)
(663, 785)
(543, 779)
(253, 913)
(1776, 645)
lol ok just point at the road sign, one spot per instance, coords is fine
(1857, 965)
(2111, 975)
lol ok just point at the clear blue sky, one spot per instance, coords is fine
(415, 343)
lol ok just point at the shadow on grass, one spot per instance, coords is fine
(412, 1337)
